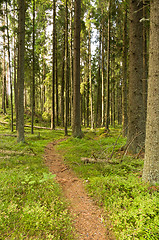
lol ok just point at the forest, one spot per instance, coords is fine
(79, 119)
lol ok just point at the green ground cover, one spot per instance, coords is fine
(116, 185)
(31, 205)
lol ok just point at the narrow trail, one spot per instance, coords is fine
(87, 216)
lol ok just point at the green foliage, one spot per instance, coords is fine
(134, 211)
(31, 206)
(46, 116)
(115, 184)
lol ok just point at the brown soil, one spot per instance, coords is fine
(87, 216)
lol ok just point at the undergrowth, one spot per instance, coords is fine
(115, 184)
(31, 204)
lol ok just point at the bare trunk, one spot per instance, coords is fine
(4, 71)
(15, 71)
(145, 59)
(88, 90)
(62, 84)
(66, 72)
(99, 92)
(20, 130)
(33, 79)
(124, 82)
(151, 162)
(71, 66)
(53, 68)
(90, 75)
(76, 130)
(57, 89)
(10, 72)
(103, 81)
(108, 73)
(136, 120)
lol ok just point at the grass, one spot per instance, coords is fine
(31, 206)
(116, 185)
(31, 203)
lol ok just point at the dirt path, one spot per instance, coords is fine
(87, 216)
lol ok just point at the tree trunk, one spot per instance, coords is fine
(57, 89)
(108, 72)
(76, 130)
(25, 98)
(53, 68)
(20, 130)
(4, 70)
(88, 90)
(43, 86)
(124, 82)
(145, 59)
(33, 79)
(62, 84)
(103, 80)
(90, 74)
(112, 93)
(151, 163)
(15, 70)
(66, 72)
(99, 92)
(10, 72)
(7, 85)
(136, 123)
(71, 66)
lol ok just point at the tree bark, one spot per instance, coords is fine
(71, 63)
(53, 68)
(4, 70)
(33, 79)
(10, 72)
(99, 91)
(87, 94)
(136, 123)
(63, 84)
(20, 129)
(57, 88)
(151, 162)
(145, 59)
(15, 69)
(124, 82)
(103, 80)
(108, 72)
(66, 72)
(76, 130)
(90, 74)
(4, 86)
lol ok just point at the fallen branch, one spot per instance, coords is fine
(88, 160)
(92, 160)
(114, 146)
(9, 152)
(141, 149)
(5, 157)
(4, 122)
(8, 135)
(130, 142)
(38, 127)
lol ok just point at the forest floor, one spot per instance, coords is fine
(97, 199)
(87, 216)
